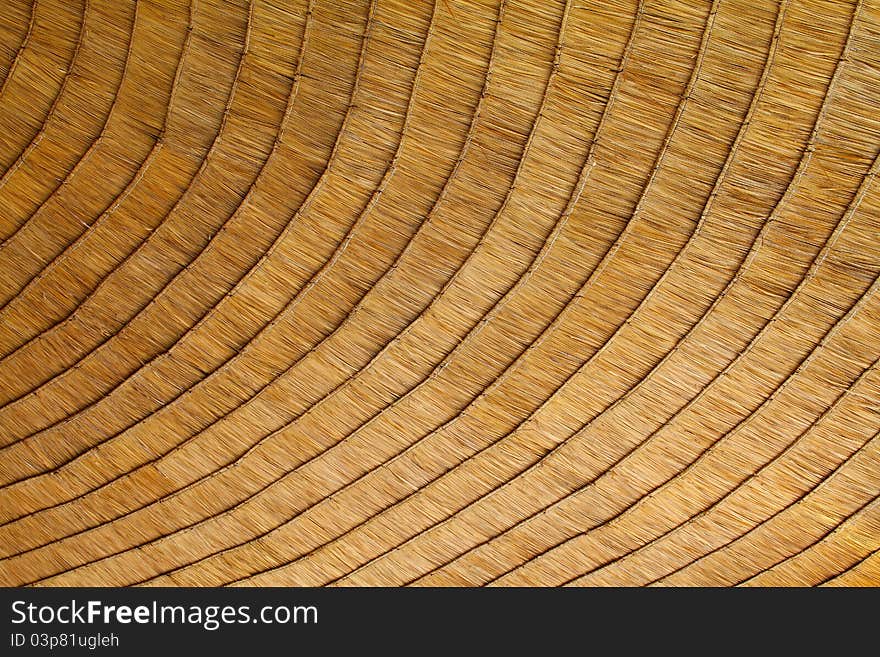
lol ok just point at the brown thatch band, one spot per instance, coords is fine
(443, 293)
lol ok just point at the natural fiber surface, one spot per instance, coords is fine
(362, 292)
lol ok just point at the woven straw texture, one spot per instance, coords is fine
(386, 292)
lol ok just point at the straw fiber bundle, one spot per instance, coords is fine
(384, 292)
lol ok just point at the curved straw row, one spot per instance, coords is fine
(384, 292)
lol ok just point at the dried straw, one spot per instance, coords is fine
(386, 292)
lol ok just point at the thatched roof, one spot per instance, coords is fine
(466, 292)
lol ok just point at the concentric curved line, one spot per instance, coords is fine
(824, 300)
(369, 206)
(854, 568)
(814, 353)
(547, 243)
(176, 205)
(68, 175)
(64, 80)
(22, 47)
(808, 153)
(4, 178)
(778, 512)
(104, 215)
(145, 164)
(256, 266)
(620, 238)
(460, 159)
(870, 505)
(219, 231)
(290, 366)
(777, 458)
(32, 7)
(289, 108)
(496, 489)
(820, 257)
(844, 395)
(278, 315)
(589, 166)
(468, 141)
(855, 307)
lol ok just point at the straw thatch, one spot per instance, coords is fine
(474, 291)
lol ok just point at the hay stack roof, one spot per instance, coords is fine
(457, 292)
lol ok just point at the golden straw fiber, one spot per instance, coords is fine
(439, 293)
